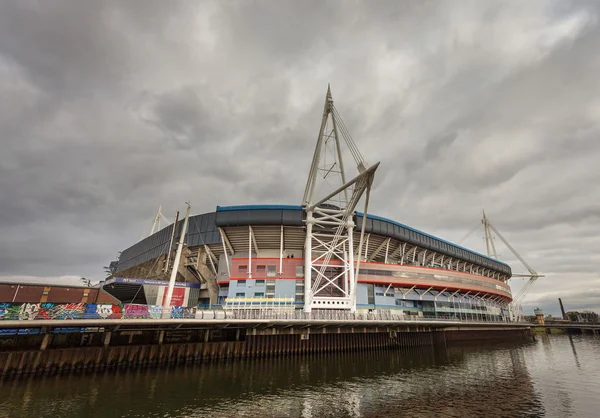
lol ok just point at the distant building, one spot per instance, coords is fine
(39, 293)
(539, 316)
(585, 316)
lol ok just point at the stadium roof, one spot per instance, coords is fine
(204, 230)
(360, 214)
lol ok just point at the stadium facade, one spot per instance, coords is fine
(323, 254)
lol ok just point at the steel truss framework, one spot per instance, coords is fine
(390, 251)
(376, 249)
(329, 270)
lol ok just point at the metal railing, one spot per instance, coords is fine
(326, 315)
(286, 312)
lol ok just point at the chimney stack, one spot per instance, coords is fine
(562, 309)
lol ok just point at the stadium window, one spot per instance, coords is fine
(259, 294)
(378, 294)
(240, 295)
(299, 271)
(241, 283)
(261, 268)
(260, 283)
(243, 269)
(271, 271)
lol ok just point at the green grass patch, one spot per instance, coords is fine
(539, 330)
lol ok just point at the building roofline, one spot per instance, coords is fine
(258, 207)
(381, 218)
(369, 216)
(50, 285)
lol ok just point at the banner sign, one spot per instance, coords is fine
(126, 280)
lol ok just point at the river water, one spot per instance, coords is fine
(555, 376)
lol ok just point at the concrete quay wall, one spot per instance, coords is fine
(119, 349)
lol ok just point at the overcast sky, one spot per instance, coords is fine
(110, 109)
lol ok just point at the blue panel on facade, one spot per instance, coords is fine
(255, 207)
(201, 230)
(265, 216)
(285, 288)
(292, 217)
(361, 294)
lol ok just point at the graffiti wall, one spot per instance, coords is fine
(133, 311)
(183, 312)
(49, 310)
(30, 311)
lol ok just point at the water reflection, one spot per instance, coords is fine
(530, 379)
(574, 351)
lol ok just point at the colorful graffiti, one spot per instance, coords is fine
(49, 310)
(66, 311)
(181, 312)
(135, 311)
(103, 311)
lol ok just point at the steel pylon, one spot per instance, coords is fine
(330, 265)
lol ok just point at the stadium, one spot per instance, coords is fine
(325, 254)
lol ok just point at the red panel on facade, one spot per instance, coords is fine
(260, 268)
(177, 298)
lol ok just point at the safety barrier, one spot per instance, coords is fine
(332, 315)
(67, 311)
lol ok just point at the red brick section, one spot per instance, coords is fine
(260, 268)
(35, 293)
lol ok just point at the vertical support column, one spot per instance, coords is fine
(402, 256)
(308, 262)
(107, 336)
(387, 249)
(45, 341)
(249, 251)
(223, 238)
(351, 272)
(167, 302)
(281, 254)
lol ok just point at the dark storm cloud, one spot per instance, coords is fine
(108, 109)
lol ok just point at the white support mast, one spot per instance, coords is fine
(489, 232)
(167, 303)
(329, 271)
(156, 222)
(170, 250)
(489, 239)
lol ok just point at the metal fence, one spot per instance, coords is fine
(55, 311)
(331, 315)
